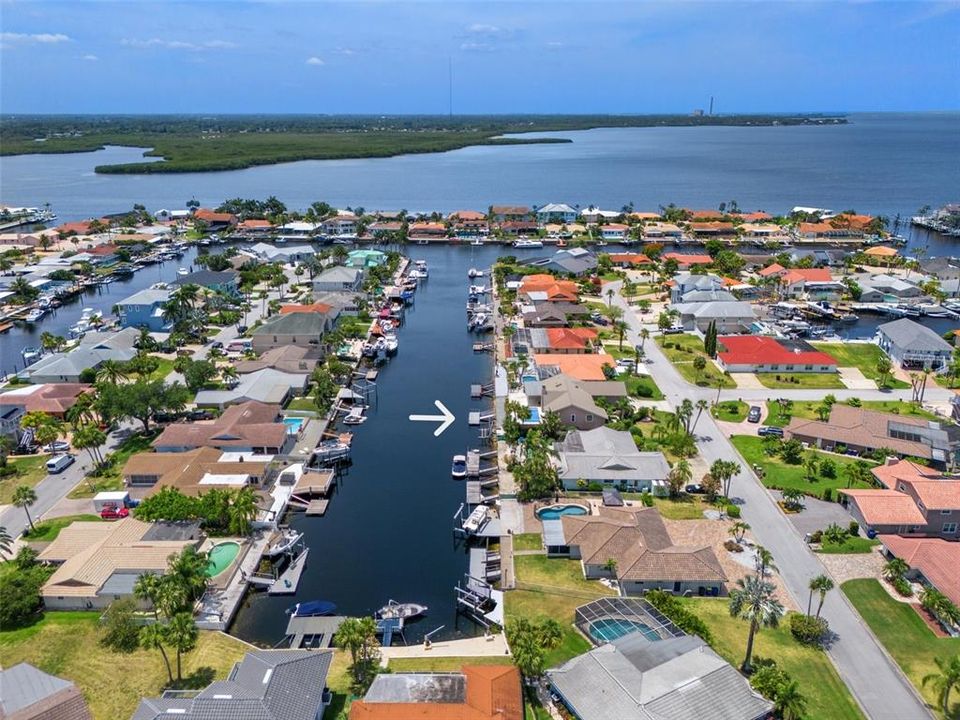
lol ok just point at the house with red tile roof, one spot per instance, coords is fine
(81, 227)
(429, 230)
(565, 341)
(713, 228)
(580, 367)
(215, 220)
(633, 260)
(547, 288)
(752, 217)
(774, 269)
(685, 262)
(502, 213)
(704, 214)
(814, 283)
(254, 226)
(466, 216)
(654, 230)
(52, 398)
(826, 229)
(764, 354)
(932, 561)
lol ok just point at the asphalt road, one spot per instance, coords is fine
(874, 679)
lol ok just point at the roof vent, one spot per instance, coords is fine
(266, 675)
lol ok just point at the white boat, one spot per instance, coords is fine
(521, 244)
(459, 468)
(288, 538)
(34, 315)
(403, 611)
(391, 342)
(474, 273)
(332, 450)
(477, 242)
(419, 274)
(31, 354)
(183, 272)
(355, 417)
(422, 268)
(478, 290)
(476, 520)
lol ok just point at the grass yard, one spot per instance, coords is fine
(778, 474)
(799, 381)
(850, 546)
(302, 403)
(48, 530)
(863, 356)
(642, 386)
(904, 634)
(27, 471)
(827, 697)
(681, 350)
(808, 410)
(110, 479)
(730, 411)
(65, 644)
(163, 369)
(444, 664)
(553, 587)
(685, 507)
(527, 541)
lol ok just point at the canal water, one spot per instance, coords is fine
(388, 531)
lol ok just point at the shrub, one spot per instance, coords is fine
(807, 629)
(119, 628)
(816, 536)
(853, 528)
(768, 679)
(828, 468)
(828, 494)
(733, 546)
(902, 586)
(644, 391)
(647, 499)
(733, 511)
(678, 614)
(20, 595)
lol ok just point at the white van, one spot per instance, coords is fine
(59, 463)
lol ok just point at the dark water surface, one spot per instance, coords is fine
(388, 530)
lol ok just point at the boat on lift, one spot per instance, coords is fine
(183, 272)
(402, 611)
(459, 467)
(288, 539)
(474, 273)
(421, 266)
(524, 243)
(312, 608)
(355, 416)
(34, 315)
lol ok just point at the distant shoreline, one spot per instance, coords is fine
(211, 144)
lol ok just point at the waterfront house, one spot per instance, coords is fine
(565, 231)
(340, 226)
(728, 317)
(630, 260)
(556, 213)
(281, 253)
(610, 457)
(385, 229)
(477, 692)
(661, 230)
(427, 231)
(366, 258)
(265, 685)
(518, 227)
(298, 229)
(886, 288)
(339, 278)
(946, 270)
(547, 288)
(225, 282)
(642, 676)
(764, 354)
(912, 345)
(103, 255)
(826, 230)
(574, 401)
(215, 221)
(563, 340)
(343, 302)
(762, 231)
(253, 227)
(266, 386)
(197, 471)
(468, 224)
(575, 261)
(94, 350)
(145, 310)
(99, 562)
(864, 431)
(285, 358)
(508, 213)
(593, 366)
(643, 556)
(594, 214)
(303, 329)
(684, 282)
(933, 561)
(614, 232)
(552, 314)
(31, 694)
(712, 229)
(686, 261)
(251, 427)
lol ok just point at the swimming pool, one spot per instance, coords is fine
(555, 512)
(610, 629)
(533, 416)
(529, 378)
(220, 557)
(294, 425)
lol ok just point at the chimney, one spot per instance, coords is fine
(892, 460)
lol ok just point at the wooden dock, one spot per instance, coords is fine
(288, 581)
(317, 507)
(313, 631)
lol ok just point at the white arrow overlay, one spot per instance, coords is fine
(445, 419)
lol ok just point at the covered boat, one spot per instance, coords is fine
(313, 608)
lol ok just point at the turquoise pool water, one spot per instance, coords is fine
(533, 416)
(293, 424)
(557, 511)
(610, 629)
(220, 557)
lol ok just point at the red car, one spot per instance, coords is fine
(114, 513)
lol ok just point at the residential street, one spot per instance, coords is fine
(875, 681)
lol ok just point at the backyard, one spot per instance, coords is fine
(780, 475)
(730, 411)
(66, 644)
(26, 471)
(904, 634)
(827, 697)
(681, 350)
(850, 546)
(863, 356)
(808, 410)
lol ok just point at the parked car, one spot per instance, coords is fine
(770, 431)
(111, 512)
(216, 345)
(675, 330)
(59, 463)
(598, 318)
(58, 446)
(754, 414)
(200, 415)
(694, 489)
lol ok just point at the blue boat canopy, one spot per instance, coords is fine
(314, 607)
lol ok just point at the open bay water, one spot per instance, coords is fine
(388, 532)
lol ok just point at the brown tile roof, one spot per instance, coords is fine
(936, 558)
(860, 428)
(467, 215)
(240, 425)
(510, 210)
(937, 494)
(185, 470)
(579, 367)
(214, 217)
(54, 398)
(286, 358)
(886, 507)
(319, 307)
(896, 469)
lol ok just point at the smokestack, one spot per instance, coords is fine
(711, 105)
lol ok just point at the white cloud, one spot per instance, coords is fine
(90, 58)
(481, 29)
(344, 51)
(476, 47)
(42, 38)
(315, 61)
(178, 44)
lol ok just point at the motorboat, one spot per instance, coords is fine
(476, 520)
(421, 266)
(355, 417)
(332, 450)
(183, 272)
(478, 241)
(312, 608)
(478, 290)
(288, 539)
(527, 244)
(474, 273)
(391, 343)
(402, 611)
(31, 354)
(459, 469)
(34, 315)
(419, 274)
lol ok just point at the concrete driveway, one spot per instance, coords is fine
(854, 379)
(817, 514)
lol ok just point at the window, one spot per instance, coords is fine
(950, 528)
(589, 418)
(573, 417)
(808, 367)
(946, 512)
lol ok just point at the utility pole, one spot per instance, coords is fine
(450, 85)
(711, 106)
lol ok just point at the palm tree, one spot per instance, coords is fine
(680, 475)
(701, 406)
(187, 571)
(821, 584)
(147, 589)
(111, 371)
(24, 497)
(764, 561)
(738, 530)
(242, 510)
(610, 295)
(752, 600)
(152, 637)
(620, 327)
(894, 570)
(789, 704)
(945, 681)
(644, 334)
(6, 542)
(183, 633)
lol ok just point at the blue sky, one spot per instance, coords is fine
(538, 57)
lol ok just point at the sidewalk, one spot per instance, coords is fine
(489, 646)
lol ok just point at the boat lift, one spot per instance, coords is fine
(478, 391)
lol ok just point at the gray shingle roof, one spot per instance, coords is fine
(607, 454)
(295, 323)
(24, 685)
(907, 334)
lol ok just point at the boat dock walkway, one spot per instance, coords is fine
(313, 631)
(481, 646)
(317, 507)
(289, 579)
(387, 627)
(218, 607)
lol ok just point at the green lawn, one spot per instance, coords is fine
(850, 546)
(827, 697)
(904, 634)
(111, 479)
(444, 664)
(780, 381)
(642, 386)
(863, 356)
(730, 411)
(163, 369)
(685, 507)
(778, 474)
(48, 530)
(29, 471)
(808, 410)
(527, 541)
(302, 403)
(681, 350)
(65, 644)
